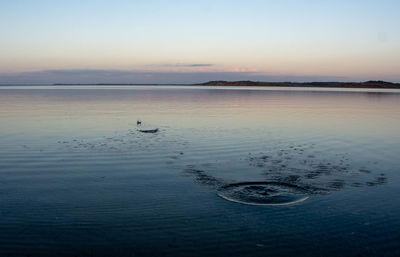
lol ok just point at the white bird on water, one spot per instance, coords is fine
(139, 123)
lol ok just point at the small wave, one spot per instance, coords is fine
(266, 193)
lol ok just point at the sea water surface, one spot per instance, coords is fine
(231, 171)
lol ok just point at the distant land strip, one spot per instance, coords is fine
(367, 84)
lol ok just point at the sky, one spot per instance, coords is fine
(172, 41)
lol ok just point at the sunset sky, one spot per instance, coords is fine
(173, 41)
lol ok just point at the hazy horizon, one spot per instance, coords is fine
(141, 77)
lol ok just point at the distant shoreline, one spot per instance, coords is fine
(359, 85)
(367, 84)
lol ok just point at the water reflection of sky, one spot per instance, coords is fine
(73, 165)
(100, 108)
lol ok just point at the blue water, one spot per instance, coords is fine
(78, 179)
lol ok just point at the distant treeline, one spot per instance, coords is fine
(367, 84)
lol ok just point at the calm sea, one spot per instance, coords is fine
(230, 172)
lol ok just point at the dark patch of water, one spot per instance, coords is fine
(289, 178)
